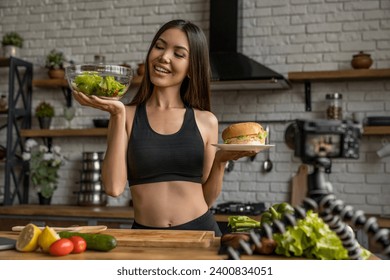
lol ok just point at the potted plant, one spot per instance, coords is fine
(44, 165)
(11, 43)
(55, 63)
(44, 112)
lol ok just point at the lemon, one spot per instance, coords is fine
(46, 238)
(28, 238)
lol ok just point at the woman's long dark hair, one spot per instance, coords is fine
(195, 89)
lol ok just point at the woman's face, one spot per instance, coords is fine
(169, 59)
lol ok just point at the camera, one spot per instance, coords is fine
(315, 139)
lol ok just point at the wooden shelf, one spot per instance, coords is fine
(87, 132)
(53, 83)
(338, 75)
(50, 83)
(376, 130)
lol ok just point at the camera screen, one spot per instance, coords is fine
(323, 145)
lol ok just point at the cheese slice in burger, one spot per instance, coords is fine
(244, 133)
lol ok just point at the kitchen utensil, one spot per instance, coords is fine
(91, 187)
(289, 136)
(267, 164)
(299, 185)
(7, 243)
(92, 165)
(105, 81)
(93, 155)
(229, 166)
(91, 198)
(90, 176)
(83, 229)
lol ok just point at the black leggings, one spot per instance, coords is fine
(204, 222)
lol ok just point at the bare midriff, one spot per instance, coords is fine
(167, 204)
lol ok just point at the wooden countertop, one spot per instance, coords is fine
(123, 252)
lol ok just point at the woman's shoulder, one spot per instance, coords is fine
(206, 117)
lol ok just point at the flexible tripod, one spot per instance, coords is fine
(334, 212)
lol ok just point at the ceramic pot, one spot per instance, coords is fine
(44, 122)
(56, 73)
(9, 51)
(44, 200)
(141, 69)
(361, 61)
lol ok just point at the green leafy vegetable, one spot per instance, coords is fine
(312, 238)
(276, 211)
(91, 83)
(242, 223)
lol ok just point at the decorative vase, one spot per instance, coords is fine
(44, 200)
(44, 122)
(9, 51)
(361, 61)
(56, 73)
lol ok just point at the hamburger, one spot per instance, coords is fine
(244, 133)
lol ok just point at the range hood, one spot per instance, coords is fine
(229, 68)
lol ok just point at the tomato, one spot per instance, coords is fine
(61, 247)
(79, 243)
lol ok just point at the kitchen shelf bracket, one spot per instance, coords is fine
(16, 180)
(308, 96)
(68, 96)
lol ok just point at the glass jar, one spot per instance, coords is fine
(99, 59)
(334, 109)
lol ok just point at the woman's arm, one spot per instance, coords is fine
(215, 161)
(114, 167)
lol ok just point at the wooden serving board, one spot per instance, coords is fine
(299, 185)
(162, 238)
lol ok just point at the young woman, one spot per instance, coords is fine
(160, 143)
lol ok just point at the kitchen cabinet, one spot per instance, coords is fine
(338, 75)
(18, 116)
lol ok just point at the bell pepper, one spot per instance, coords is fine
(242, 223)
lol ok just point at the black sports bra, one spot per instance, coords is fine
(153, 157)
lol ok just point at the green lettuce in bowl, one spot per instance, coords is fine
(107, 81)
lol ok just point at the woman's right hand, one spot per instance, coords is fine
(113, 107)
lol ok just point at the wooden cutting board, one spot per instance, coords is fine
(162, 238)
(299, 185)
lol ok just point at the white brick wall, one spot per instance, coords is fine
(286, 35)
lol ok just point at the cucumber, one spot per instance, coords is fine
(95, 241)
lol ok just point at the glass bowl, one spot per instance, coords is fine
(104, 81)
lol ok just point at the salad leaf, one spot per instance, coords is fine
(91, 83)
(312, 238)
